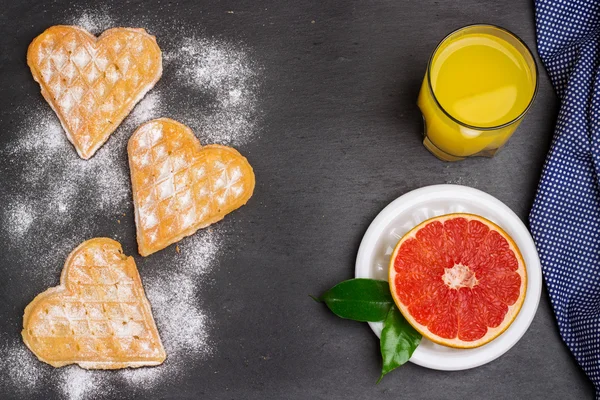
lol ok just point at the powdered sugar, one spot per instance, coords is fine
(94, 23)
(183, 325)
(58, 197)
(174, 295)
(18, 218)
(78, 384)
(19, 368)
(22, 373)
(227, 74)
(59, 180)
(147, 109)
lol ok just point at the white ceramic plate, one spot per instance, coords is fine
(413, 208)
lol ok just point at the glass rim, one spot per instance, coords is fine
(481, 128)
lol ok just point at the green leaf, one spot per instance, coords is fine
(398, 341)
(318, 300)
(365, 300)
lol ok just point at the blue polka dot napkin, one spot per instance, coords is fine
(565, 218)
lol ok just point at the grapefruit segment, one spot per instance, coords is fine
(455, 238)
(423, 310)
(471, 323)
(445, 320)
(458, 279)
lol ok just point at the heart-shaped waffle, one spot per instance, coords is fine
(98, 317)
(180, 186)
(93, 83)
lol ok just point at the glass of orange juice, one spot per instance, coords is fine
(480, 82)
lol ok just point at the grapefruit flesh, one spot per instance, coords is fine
(458, 279)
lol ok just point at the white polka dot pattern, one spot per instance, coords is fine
(565, 218)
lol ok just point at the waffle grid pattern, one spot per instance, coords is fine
(178, 185)
(101, 316)
(94, 83)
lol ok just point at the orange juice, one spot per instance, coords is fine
(480, 81)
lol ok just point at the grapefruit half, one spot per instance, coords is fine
(458, 279)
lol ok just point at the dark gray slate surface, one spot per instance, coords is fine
(339, 140)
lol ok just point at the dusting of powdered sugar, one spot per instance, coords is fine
(58, 196)
(18, 217)
(150, 107)
(79, 384)
(20, 370)
(175, 297)
(59, 182)
(174, 294)
(93, 22)
(225, 73)
(23, 374)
